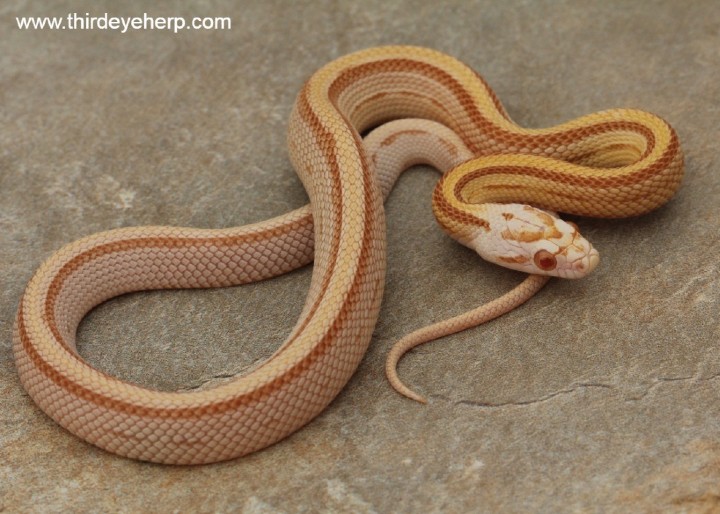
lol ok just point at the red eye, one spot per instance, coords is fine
(545, 260)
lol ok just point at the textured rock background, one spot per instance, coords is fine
(597, 396)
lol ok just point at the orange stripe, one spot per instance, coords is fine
(83, 258)
(471, 109)
(228, 404)
(575, 180)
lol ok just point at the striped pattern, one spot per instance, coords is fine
(342, 230)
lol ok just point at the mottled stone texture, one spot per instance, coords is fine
(597, 396)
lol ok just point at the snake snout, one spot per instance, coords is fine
(588, 263)
(593, 259)
(584, 265)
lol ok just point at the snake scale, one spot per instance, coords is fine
(612, 164)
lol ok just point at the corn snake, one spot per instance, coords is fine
(610, 164)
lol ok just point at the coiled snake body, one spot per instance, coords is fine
(609, 164)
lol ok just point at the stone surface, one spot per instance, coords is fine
(597, 396)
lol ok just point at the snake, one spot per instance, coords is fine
(500, 193)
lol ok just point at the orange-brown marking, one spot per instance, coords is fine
(522, 236)
(516, 259)
(394, 137)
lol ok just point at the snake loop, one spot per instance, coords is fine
(612, 164)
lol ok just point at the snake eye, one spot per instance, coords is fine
(545, 260)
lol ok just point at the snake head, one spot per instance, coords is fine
(532, 240)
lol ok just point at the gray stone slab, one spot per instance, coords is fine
(599, 395)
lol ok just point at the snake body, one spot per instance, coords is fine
(610, 164)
